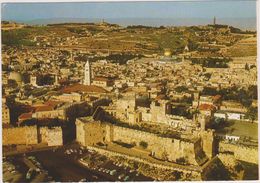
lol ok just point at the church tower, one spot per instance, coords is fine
(87, 73)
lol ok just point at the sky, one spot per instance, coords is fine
(200, 9)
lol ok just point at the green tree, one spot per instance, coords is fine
(143, 144)
(251, 113)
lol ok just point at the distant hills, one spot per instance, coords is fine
(242, 23)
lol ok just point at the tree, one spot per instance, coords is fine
(143, 144)
(238, 167)
(251, 113)
(181, 160)
(164, 156)
(246, 67)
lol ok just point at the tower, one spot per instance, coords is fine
(214, 21)
(87, 73)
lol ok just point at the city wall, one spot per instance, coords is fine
(30, 135)
(185, 170)
(243, 153)
(21, 135)
(160, 147)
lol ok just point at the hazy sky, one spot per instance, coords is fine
(209, 9)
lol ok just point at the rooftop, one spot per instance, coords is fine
(83, 88)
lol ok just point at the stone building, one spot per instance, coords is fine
(5, 114)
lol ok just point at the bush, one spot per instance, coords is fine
(143, 144)
(238, 167)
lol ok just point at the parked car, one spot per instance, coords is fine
(126, 178)
(112, 172)
(121, 176)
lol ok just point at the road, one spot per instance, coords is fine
(65, 169)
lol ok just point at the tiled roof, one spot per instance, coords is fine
(44, 108)
(25, 116)
(84, 88)
(206, 107)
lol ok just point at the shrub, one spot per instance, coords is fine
(143, 144)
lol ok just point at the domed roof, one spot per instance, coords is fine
(16, 76)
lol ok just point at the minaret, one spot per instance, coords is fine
(87, 72)
(214, 21)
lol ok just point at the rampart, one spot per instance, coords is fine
(30, 135)
(165, 148)
(240, 152)
(21, 135)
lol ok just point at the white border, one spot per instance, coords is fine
(80, 1)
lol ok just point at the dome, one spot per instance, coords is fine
(167, 53)
(16, 76)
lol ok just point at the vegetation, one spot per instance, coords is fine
(143, 144)
(219, 123)
(238, 167)
(181, 161)
(76, 30)
(182, 111)
(20, 37)
(242, 95)
(211, 62)
(251, 113)
(121, 58)
(181, 89)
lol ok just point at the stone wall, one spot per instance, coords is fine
(20, 135)
(208, 142)
(186, 170)
(55, 137)
(243, 153)
(30, 135)
(163, 148)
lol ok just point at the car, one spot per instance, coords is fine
(126, 178)
(107, 171)
(131, 171)
(83, 180)
(112, 172)
(94, 177)
(29, 174)
(121, 176)
(13, 171)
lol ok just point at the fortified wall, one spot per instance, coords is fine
(171, 149)
(21, 135)
(240, 152)
(52, 137)
(30, 135)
